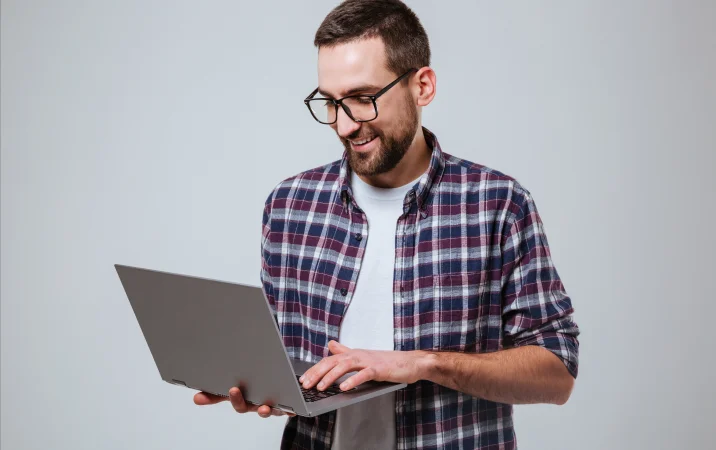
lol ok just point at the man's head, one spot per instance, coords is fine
(367, 44)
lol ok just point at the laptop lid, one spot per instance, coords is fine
(204, 333)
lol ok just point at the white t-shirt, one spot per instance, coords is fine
(368, 321)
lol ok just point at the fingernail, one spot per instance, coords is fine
(301, 379)
(320, 385)
(344, 386)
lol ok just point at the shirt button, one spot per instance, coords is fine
(344, 291)
(358, 237)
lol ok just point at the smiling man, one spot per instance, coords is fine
(403, 263)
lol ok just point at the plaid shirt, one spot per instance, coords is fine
(473, 274)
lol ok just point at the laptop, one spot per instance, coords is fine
(211, 335)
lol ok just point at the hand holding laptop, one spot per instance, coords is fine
(239, 404)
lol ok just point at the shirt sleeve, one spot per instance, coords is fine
(267, 257)
(536, 309)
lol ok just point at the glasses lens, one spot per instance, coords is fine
(323, 110)
(362, 107)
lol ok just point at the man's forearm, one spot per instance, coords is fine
(521, 375)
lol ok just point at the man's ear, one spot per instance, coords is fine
(426, 86)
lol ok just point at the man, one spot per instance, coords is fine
(403, 263)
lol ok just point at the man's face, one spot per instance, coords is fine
(361, 64)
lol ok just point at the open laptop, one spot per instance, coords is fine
(211, 335)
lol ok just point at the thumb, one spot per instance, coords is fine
(336, 347)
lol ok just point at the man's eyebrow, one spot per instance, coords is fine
(355, 90)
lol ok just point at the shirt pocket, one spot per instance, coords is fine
(459, 306)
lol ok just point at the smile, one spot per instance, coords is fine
(362, 144)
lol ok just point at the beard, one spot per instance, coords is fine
(391, 148)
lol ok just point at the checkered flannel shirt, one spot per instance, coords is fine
(473, 273)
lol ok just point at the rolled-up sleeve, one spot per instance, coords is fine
(536, 308)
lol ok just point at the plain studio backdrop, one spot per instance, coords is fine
(150, 133)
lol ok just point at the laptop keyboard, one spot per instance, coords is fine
(313, 394)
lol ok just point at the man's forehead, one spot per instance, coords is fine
(347, 89)
(348, 68)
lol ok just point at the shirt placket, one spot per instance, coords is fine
(402, 295)
(357, 236)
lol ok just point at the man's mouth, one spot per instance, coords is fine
(363, 143)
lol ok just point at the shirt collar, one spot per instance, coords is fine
(420, 192)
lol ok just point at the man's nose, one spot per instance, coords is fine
(345, 126)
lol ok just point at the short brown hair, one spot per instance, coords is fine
(405, 40)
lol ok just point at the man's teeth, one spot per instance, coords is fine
(363, 141)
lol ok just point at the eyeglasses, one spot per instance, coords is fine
(360, 108)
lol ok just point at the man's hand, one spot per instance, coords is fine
(377, 365)
(239, 404)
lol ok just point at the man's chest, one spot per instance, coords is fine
(444, 288)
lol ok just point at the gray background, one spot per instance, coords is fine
(150, 133)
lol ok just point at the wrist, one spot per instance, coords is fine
(427, 364)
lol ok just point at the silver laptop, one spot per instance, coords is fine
(211, 335)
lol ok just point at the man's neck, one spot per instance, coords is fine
(413, 164)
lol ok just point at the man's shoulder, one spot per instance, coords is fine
(480, 177)
(306, 183)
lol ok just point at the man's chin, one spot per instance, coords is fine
(362, 156)
(360, 162)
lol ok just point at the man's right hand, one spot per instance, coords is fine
(239, 404)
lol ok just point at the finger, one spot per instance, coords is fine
(309, 374)
(238, 402)
(361, 377)
(204, 398)
(264, 411)
(340, 369)
(267, 411)
(315, 373)
(336, 347)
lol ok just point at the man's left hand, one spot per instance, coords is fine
(377, 365)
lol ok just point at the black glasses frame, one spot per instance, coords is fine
(347, 110)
